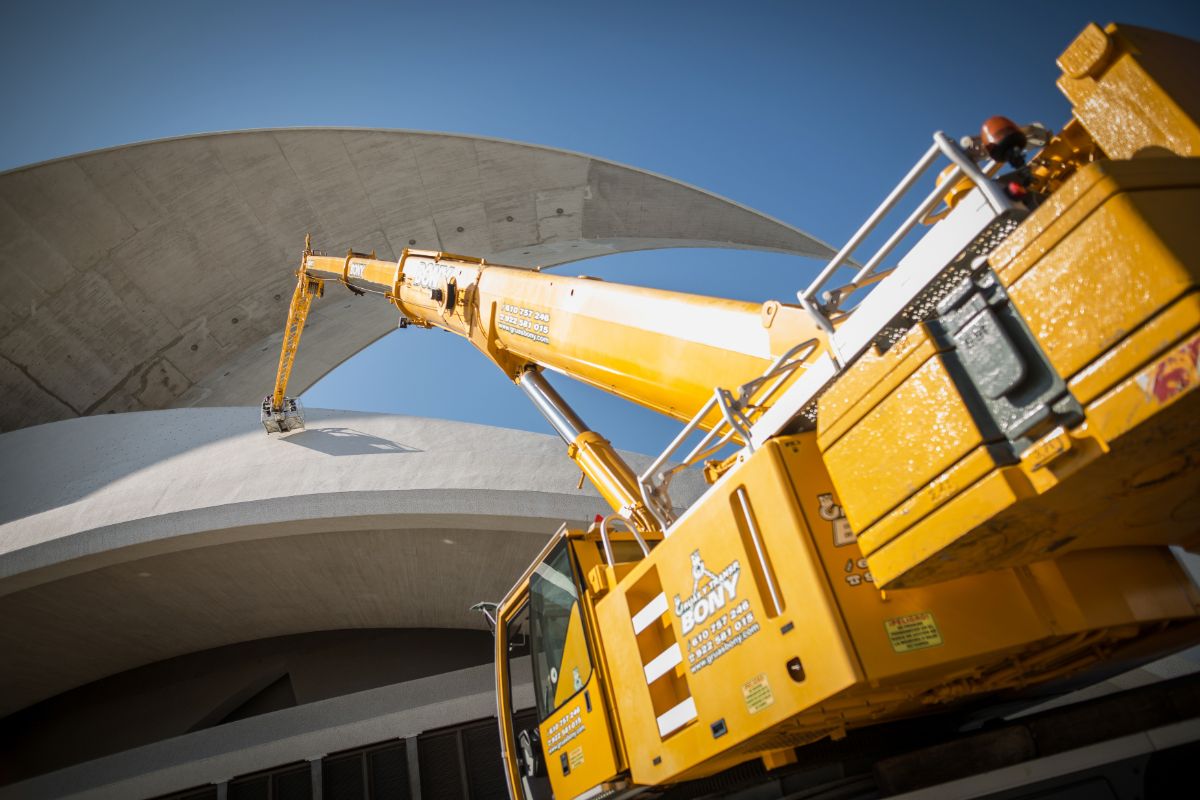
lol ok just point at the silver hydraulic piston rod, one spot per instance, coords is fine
(561, 416)
(595, 455)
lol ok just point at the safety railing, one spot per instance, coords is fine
(606, 543)
(737, 415)
(822, 309)
(741, 412)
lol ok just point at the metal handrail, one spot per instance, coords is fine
(654, 483)
(629, 526)
(736, 412)
(963, 164)
(865, 229)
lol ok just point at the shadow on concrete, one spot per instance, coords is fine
(345, 442)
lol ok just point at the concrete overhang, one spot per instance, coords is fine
(157, 275)
(128, 539)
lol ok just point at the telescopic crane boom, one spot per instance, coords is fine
(663, 350)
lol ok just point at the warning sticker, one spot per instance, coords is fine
(576, 757)
(757, 693)
(1175, 373)
(912, 632)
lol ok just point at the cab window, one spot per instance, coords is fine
(561, 665)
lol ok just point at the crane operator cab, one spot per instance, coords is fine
(565, 745)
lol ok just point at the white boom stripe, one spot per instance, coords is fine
(649, 613)
(683, 713)
(663, 663)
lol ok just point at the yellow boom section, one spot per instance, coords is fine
(279, 412)
(662, 350)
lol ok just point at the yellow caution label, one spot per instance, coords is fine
(575, 757)
(757, 693)
(913, 632)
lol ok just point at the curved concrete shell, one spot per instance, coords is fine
(157, 275)
(132, 538)
(189, 569)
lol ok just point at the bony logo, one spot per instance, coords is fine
(832, 512)
(710, 592)
(428, 274)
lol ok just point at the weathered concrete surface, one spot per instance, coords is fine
(131, 538)
(157, 275)
(295, 734)
(217, 687)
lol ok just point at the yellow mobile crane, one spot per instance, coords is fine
(962, 474)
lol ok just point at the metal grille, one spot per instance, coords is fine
(290, 782)
(295, 784)
(441, 766)
(455, 763)
(256, 788)
(198, 793)
(485, 772)
(958, 270)
(388, 770)
(342, 778)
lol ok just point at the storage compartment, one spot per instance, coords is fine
(1111, 249)
(969, 444)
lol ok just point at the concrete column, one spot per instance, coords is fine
(315, 771)
(414, 767)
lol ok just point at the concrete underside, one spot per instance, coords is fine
(309, 731)
(220, 687)
(129, 539)
(157, 275)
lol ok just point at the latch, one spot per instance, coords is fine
(1009, 385)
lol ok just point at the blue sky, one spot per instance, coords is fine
(809, 112)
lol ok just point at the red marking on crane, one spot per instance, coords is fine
(1175, 374)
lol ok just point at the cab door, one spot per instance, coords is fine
(524, 762)
(574, 728)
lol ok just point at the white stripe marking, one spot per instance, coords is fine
(650, 613)
(663, 663)
(679, 715)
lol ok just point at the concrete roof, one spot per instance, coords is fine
(127, 539)
(157, 275)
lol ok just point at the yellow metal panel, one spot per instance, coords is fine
(1134, 90)
(971, 621)
(908, 439)
(1124, 478)
(1107, 281)
(1080, 196)
(864, 656)
(577, 743)
(730, 636)
(1112, 588)
(1130, 258)
(1167, 380)
(1155, 337)
(926, 546)
(937, 492)
(873, 377)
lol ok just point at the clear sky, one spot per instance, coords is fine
(809, 112)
